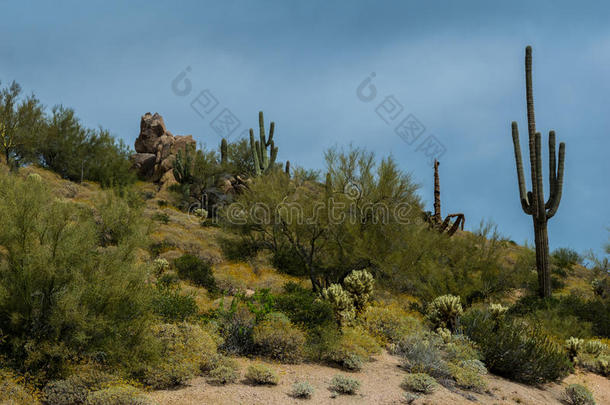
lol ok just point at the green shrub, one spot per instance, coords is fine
(409, 397)
(419, 382)
(515, 350)
(302, 389)
(286, 260)
(226, 371)
(186, 350)
(576, 394)
(389, 323)
(444, 311)
(76, 388)
(344, 385)
(69, 294)
(161, 217)
(119, 395)
(260, 374)
(236, 326)
(198, 271)
(468, 377)
(277, 338)
(301, 305)
(173, 306)
(238, 249)
(354, 348)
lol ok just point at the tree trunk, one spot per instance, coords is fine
(542, 257)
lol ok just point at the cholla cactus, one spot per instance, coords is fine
(34, 177)
(497, 311)
(444, 311)
(160, 266)
(360, 285)
(594, 347)
(603, 366)
(445, 334)
(341, 301)
(573, 346)
(200, 212)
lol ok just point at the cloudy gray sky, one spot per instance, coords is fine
(455, 66)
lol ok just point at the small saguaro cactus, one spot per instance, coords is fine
(263, 160)
(224, 152)
(287, 168)
(436, 220)
(533, 202)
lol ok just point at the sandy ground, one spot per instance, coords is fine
(380, 386)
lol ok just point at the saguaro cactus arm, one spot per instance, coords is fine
(555, 197)
(523, 194)
(263, 160)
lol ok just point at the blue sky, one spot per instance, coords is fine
(456, 66)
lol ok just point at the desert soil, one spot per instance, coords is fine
(380, 385)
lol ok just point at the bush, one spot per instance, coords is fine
(515, 350)
(409, 397)
(226, 371)
(576, 394)
(594, 347)
(354, 348)
(421, 353)
(69, 295)
(286, 260)
(341, 302)
(238, 249)
(302, 307)
(76, 388)
(236, 326)
(419, 382)
(277, 338)
(198, 271)
(186, 350)
(468, 377)
(344, 385)
(302, 389)
(173, 306)
(119, 395)
(12, 391)
(389, 323)
(260, 374)
(444, 311)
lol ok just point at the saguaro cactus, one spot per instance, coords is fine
(224, 158)
(263, 160)
(436, 220)
(532, 202)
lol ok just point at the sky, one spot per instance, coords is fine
(452, 72)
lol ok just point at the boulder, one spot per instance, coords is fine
(151, 128)
(144, 164)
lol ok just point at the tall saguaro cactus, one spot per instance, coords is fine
(533, 202)
(263, 160)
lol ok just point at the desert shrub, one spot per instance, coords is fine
(389, 323)
(76, 388)
(302, 389)
(421, 353)
(236, 326)
(576, 394)
(172, 305)
(460, 348)
(198, 271)
(301, 305)
(565, 257)
(186, 350)
(409, 397)
(70, 296)
(354, 348)
(419, 382)
(344, 385)
(286, 260)
(277, 338)
(13, 392)
(260, 374)
(240, 249)
(595, 364)
(515, 350)
(498, 311)
(119, 395)
(468, 377)
(341, 302)
(225, 371)
(161, 217)
(444, 311)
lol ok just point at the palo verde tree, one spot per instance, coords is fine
(533, 202)
(20, 121)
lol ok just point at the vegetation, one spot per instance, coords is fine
(344, 385)
(533, 202)
(261, 375)
(576, 394)
(419, 382)
(302, 389)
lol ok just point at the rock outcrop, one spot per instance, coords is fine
(156, 149)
